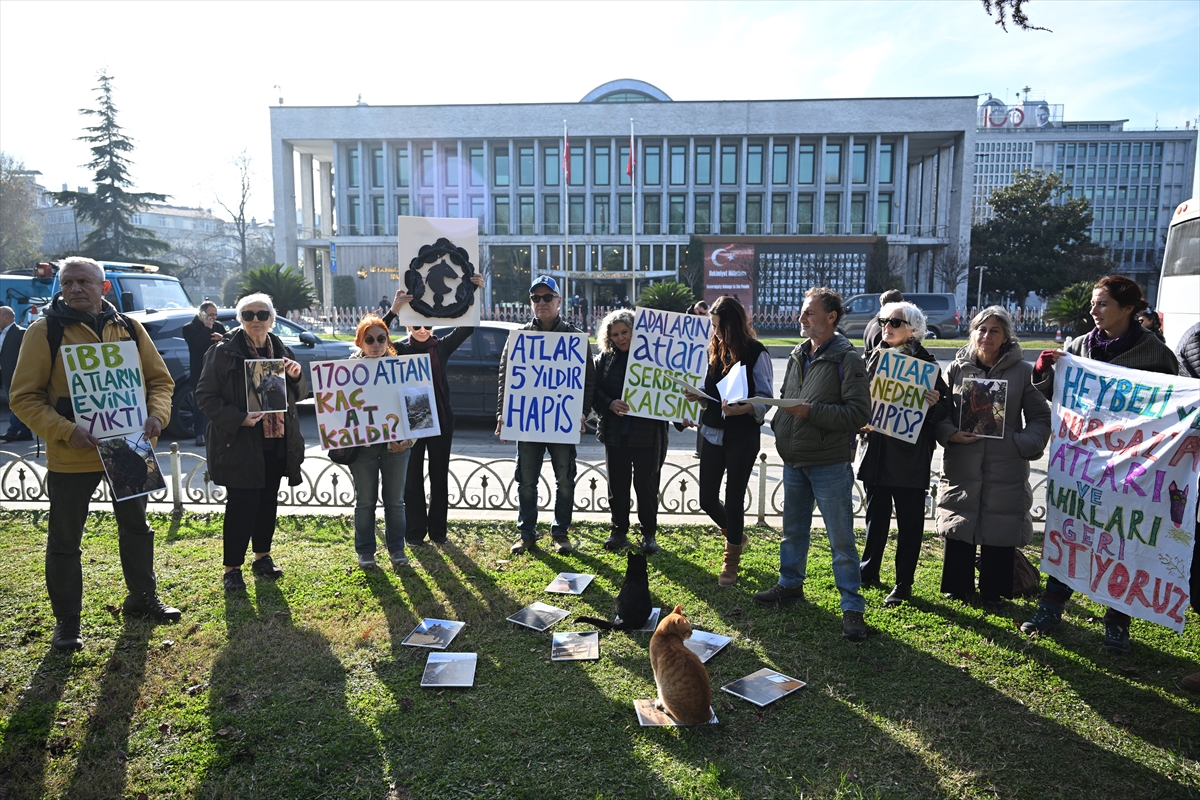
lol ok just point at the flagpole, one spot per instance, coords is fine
(565, 214)
(633, 215)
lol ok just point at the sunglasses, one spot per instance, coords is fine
(895, 322)
(262, 316)
(422, 327)
(380, 339)
(541, 298)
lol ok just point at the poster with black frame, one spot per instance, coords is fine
(434, 633)
(539, 616)
(650, 716)
(570, 583)
(266, 386)
(763, 687)
(982, 402)
(705, 644)
(447, 670)
(575, 646)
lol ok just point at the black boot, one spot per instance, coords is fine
(649, 546)
(147, 606)
(66, 634)
(616, 541)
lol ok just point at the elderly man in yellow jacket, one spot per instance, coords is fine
(40, 397)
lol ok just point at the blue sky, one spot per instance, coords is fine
(193, 80)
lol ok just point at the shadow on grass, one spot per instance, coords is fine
(27, 739)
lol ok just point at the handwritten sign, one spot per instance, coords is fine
(1121, 487)
(107, 394)
(437, 257)
(365, 401)
(666, 346)
(543, 386)
(898, 407)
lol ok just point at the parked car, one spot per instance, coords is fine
(166, 330)
(473, 371)
(940, 311)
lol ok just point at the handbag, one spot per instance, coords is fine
(1026, 579)
(343, 455)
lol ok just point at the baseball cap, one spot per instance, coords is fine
(549, 283)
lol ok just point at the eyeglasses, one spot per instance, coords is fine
(248, 315)
(422, 327)
(541, 298)
(895, 322)
(380, 339)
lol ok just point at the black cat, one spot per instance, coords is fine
(633, 602)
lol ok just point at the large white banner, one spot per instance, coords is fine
(665, 345)
(105, 380)
(1121, 487)
(438, 256)
(365, 401)
(898, 407)
(543, 386)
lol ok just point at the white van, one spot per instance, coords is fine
(1179, 284)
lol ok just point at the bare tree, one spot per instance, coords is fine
(951, 269)
(241, 225)
(1010, 8)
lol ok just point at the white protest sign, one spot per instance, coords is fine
(105, 380)
(733, 386)
(898, 407)
(543, 386)
(667, 347)
(365, 401)
(1121, 487)
(438, 256)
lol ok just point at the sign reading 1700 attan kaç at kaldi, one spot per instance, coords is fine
(665, 345)
(543, 386)
(105, 381)
(366, 401)
(1121, 487)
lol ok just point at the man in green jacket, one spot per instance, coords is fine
(816, 441)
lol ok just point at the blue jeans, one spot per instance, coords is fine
(530, 456)
(830, 485)
(373, 461)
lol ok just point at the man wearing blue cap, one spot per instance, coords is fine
(546, 302)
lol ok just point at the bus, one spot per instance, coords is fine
(1179, 284)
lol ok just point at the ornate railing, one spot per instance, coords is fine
(476, 485)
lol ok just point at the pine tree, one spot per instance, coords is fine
(112, 206)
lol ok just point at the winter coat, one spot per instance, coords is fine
(38, 386)
(442, 349)
(891, 462)
(560, 326)
(1189, 352)
(626, 431)
(199, 340)
(984, 495)
(236, 457)
(1148, 354)
(837, 389)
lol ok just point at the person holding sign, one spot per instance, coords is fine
(634, 447)
(731, 429)
(895, 464)
(248, 458)
(546, 303)
(984, 498)
(1119, 339)
(40, 396)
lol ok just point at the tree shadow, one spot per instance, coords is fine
(27, 731)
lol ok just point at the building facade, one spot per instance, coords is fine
(800, 190)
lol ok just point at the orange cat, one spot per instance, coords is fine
(683, 688)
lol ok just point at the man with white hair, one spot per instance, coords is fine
(41, 397)
(11, 335)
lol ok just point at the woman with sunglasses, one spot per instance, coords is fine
(421, 339)
(894, 471)
(387, 459)
(250, 452)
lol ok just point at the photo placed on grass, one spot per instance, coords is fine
(570, 583)
(763, 687)
(651, 622)
(538, 616)
(420, 411)
(266, 385)
(983, 403)
(131, 466)
(450, 669)
(705, 644)
(579, 646)
(650, 716)
(435, 633)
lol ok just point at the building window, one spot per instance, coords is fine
(578, 173)
(677, 215)
(804, 214)
(402, 167)
(779, 204)
(832, 214)
(652, 166)
(427, 166)
(402, 207)
(1137, 149)
(353, 216)
(477, 208)
(779, 165)
(501, 210)
(352, 173)
(550, 165)
(729, 213)
(377, 167)
(678, 165)
(754, 164)
(525, 212)
(858, 214)
(703, 215)
(452, 207)
(378, 217)
(478, 166)
(601, 166)
(601, 214)
(754, 213)
(625, 209)
(860, 164)
(452, 168)
(806, 156)
(652, 214)
(883, 214)
(833, 163)
(704, 164)
(729, 171)
(500, 169)
(427, 206)
(887, 152)
(550, 212)
(525, 166)
(575, 213)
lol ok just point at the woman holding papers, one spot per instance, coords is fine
(894, 470)
(386, 459)
(634, 447)
(984, 498)
(249, 452)
(738, 367)
(1120, 339)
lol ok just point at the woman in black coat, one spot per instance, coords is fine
(894, 471)
(250, 452)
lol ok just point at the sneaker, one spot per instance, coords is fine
(414, 542)
(1116, 638)
(366, 562)
(233, 581)
(66, 635)
(398, 559)
(649, 546)
(778, 594)
(1045, 620)
(854, 627)
(522, 544)
(439, 540)
(265, 568)
(898, 596)
(147, 606)
(616, 541)
(562, 545)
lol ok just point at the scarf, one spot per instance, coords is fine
(272, 423)
(1104, 349)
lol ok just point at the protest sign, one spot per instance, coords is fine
(105, 380)
(1121, 487)
(438, 256)
(365, 401)
(666, 347)
(982, 409)
(543, 386)
(266, 385)
(898, 407)
(130, 465)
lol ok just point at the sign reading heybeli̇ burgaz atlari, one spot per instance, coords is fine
(366, 401)
(1121, 487)
(543, 386)
(105, 381)
(665, 344)
(898, 406)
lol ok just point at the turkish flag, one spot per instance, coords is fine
(567, 155)
(632, 161)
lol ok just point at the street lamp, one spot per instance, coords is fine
(979, 293)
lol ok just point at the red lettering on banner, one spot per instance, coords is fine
(1101, 567)
(1118, 582)
(1140, 579)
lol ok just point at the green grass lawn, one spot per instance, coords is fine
(301, 689)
